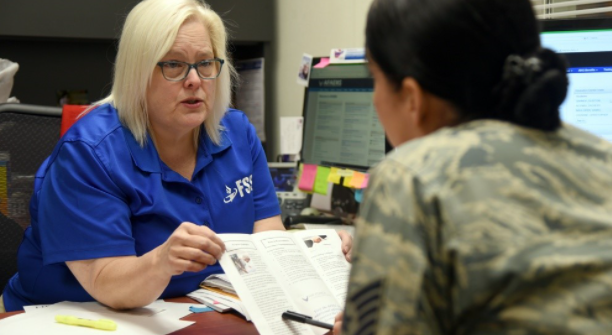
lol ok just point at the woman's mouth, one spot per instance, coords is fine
(192, 103)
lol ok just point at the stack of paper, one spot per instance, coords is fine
(219, 281)
(157, 318)
(217, 293)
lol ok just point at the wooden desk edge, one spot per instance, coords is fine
(205, 323)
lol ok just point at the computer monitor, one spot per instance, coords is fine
(341, 127)
(283, 176)
(587, 46)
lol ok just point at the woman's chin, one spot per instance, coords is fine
(193, 120)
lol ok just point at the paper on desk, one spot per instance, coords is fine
(291, 134)
(34, 308)
(174, 310)
(203, 295)
(4, 323)
(323, 202)
(42, 321)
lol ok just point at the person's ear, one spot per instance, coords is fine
(413, 100)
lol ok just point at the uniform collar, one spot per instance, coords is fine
(147, 159)
(207, 148)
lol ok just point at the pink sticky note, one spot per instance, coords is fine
(309, 174)
(366, 179)
(323, 63)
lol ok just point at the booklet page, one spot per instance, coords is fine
(284, 254)
(323, 248)
(258, 287)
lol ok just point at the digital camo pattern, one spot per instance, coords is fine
(486, 228)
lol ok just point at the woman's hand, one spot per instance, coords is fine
(338, 324)
(129, 281)
(190, 248)
(347, 244)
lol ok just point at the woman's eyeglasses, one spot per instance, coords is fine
(177, 71)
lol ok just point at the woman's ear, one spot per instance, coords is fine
(413, 102)
(425, 112)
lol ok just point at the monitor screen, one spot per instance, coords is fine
(341, 127)
(587, 46)
(283, 176)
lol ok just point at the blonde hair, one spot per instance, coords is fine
(148, 34)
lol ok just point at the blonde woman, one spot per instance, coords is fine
(127, 207)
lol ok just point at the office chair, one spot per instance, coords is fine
(70, 114)
(28, 134)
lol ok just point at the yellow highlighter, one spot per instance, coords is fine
(103, 324)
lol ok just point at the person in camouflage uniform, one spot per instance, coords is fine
(491, 216)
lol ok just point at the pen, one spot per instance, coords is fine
(104, 324)
(293, 316)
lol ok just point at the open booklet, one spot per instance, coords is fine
(276, 271)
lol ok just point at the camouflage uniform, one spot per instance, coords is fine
(486, 228)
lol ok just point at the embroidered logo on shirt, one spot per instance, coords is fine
(244, 185)
(231, 195)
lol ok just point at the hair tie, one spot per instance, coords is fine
(517, 67)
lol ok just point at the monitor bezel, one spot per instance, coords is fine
(575, 24)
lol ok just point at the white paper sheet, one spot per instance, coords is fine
(143, 321)
(291, 129)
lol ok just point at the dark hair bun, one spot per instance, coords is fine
(532, 89)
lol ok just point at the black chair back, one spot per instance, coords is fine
(28, 134)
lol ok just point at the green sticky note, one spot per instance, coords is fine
(320, 184)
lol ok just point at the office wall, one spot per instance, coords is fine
(61, 34)
(313, 27)
(71, 44)
(96, 19)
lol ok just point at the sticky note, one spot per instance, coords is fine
(359, 196)
(357, 180)
(307, 178)
(322, 63)
(333, 176)
(345, 173)
(320, 184)
(348, 177)
(366, 179)
(347, 181)
(197, 309)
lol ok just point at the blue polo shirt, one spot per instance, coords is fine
(99, 194)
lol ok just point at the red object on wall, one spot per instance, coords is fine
(70, 114)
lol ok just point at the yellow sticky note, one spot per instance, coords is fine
(320, 184)
(347, 181)
(348, 177)
(345, 173)
(333, 176)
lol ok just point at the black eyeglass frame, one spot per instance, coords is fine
(192, 66)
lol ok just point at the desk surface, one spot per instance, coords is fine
(205, 323)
